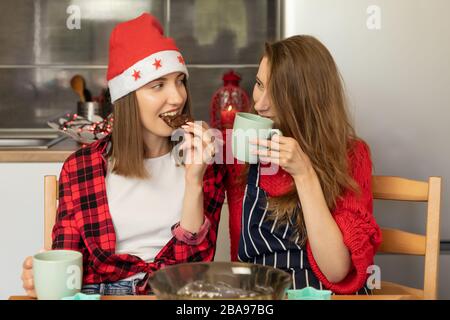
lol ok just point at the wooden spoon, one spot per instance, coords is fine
(77, 84)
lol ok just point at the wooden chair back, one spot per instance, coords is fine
(400, 242)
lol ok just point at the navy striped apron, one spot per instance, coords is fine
(265, 242)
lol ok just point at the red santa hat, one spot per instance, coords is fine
(139, 53)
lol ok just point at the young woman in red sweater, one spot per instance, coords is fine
(313, 218)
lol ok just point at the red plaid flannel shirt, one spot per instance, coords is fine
(84, 222)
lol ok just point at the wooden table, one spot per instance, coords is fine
(334, 297)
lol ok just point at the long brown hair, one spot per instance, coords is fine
(128, 147)
(307, 94)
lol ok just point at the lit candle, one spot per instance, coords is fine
(227, 117)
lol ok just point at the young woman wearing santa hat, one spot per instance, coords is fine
(124, 201)
(313, 218)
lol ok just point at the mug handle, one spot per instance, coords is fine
(273, 132)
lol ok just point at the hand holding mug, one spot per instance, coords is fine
(285, 152)
(28, 277)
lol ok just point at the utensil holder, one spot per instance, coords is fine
(88, 109)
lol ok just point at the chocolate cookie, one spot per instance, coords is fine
(176, 121)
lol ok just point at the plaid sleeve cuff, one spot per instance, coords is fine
(191, 238)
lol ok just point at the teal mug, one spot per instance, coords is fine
(57, 274)
(308, 293)
(248, 126)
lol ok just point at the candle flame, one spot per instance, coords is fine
(230, 108)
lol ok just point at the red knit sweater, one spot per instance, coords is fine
(353, 215)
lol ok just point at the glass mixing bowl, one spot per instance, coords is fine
(220, 280)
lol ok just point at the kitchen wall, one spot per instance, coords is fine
(394, 58)
(45, 42)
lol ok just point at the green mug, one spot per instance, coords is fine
(248, 126)
(308, 293)
(57, 274)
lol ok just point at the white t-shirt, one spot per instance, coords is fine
(144, 210)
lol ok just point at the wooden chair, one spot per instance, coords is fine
(50, 207)
(401, 242)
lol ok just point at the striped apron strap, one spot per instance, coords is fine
(253, 175)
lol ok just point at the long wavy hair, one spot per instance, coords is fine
(307, 94)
